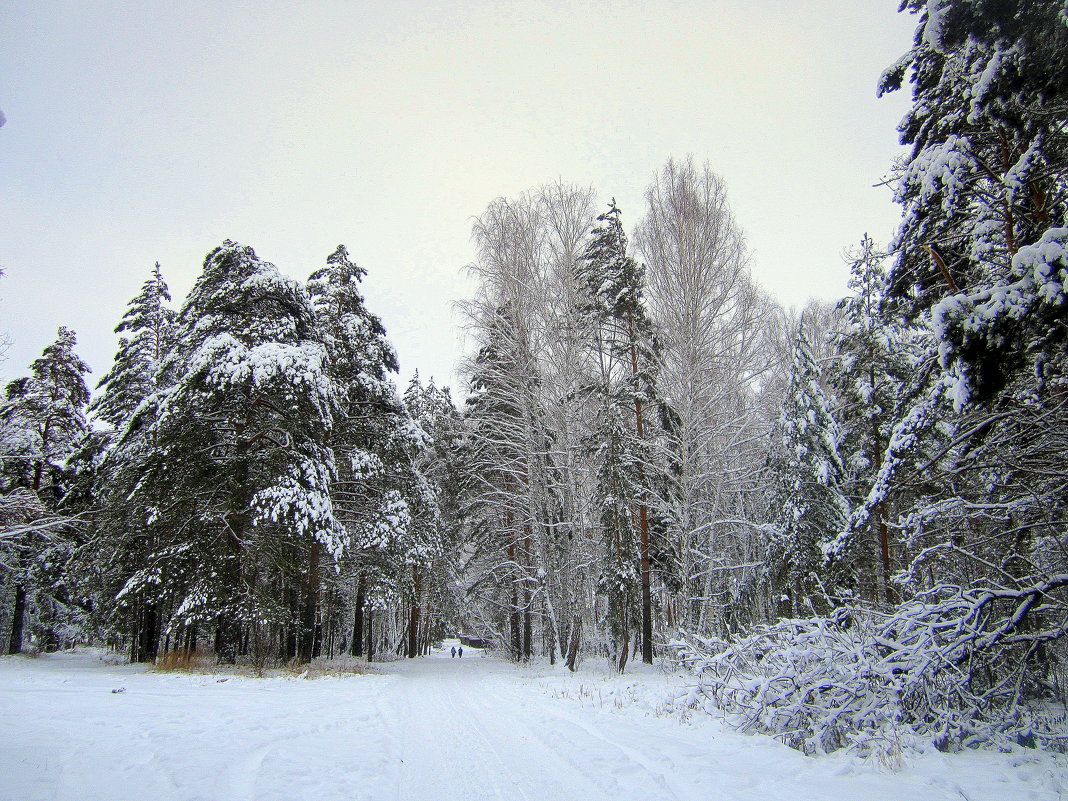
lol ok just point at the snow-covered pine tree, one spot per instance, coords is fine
(497, 457)
(986, 173)
(148, 323)
(621, 477)
(239, 473)
(874, 355)
(43, 418)
(982, 262)
(121, 541)
(812, 508)
(42, 421)
(440, 463)
(380, 496)
(624, 341)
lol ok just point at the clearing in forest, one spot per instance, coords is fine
(436, 727)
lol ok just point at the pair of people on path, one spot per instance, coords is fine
(461, 652)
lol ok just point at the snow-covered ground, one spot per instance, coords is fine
(471, 728)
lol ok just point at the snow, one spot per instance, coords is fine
(932, 29)
(943, 168)
(471, 728)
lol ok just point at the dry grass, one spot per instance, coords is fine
(203, 662)
(185, 661)
(317, 668)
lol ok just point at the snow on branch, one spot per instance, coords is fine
(953, 668)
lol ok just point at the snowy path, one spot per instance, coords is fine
(423, 729)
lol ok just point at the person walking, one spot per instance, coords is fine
(460, 653)
(454, 652)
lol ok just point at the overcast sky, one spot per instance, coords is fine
(151, 131)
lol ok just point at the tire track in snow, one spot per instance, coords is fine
(431, 750)
(627, 762)
(505, 746)
(488, 746)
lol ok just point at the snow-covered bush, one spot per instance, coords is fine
(953, 668)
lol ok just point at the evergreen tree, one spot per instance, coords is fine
(380, 496)
(149, 324)
(42, 420)
(873, 359)
(105, 483)
(813, 509)
(236, 484)
(440, 463)
(620, 478)
(497, 456)
(982, 262)
(987, 178)
(623, 338)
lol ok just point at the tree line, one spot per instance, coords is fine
(251, 476)
(651, 455)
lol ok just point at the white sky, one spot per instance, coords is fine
(151, 131)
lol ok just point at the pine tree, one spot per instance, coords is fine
(42, 421)
(623, 337)
(982, 262)
(132, 378)
(986, 178)
(121, 539)
(813, 509)
(238, 476)
(497, 456)
(620, 478)
(381, 497)
(43, 417)
(440, 463)
(873, 359)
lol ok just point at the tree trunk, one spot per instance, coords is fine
(17, 620)
(413, 621)
(528, 633)
(370, 635)
(357, 623)
(884, 537)
(573, 645)
(514, 617)
(146, 639)
(643, 518)
(227, 642)
(311, 603)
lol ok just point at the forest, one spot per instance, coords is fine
(848, 521)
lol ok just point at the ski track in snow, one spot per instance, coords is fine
(471, 728)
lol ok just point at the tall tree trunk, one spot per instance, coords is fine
(413, 621)
(227, 642)
(311, 604)
(573, 645)
(18, 620)
(357, 623)
(528, 645)
(147, 636)
(549, 639)
(884, 536)
(370, 635)
(643, 516)
(517, 636)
